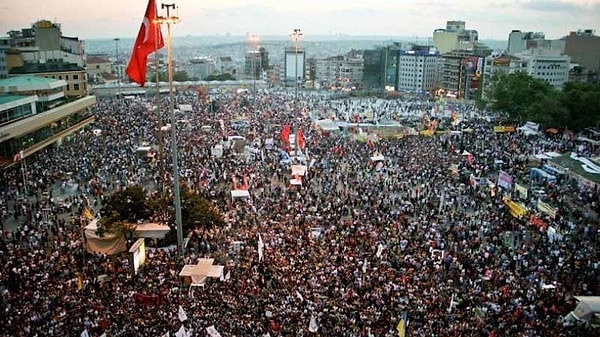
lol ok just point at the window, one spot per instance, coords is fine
(68, 87)
(76, 86)
(67, 77)
(75, 77)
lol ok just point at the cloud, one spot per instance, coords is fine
(564, 7)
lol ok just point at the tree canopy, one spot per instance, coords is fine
(132, 204)
(521, 97)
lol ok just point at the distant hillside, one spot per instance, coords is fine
(187, 47)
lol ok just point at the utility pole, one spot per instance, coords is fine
(169, 20)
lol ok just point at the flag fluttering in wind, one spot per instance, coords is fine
(300, 139)
(401, 327)
(212, 331)
(181, 314)
(261, 248)
(312, 325)
(149, 39)
(181, 332)
(285, 135)
(453, 304)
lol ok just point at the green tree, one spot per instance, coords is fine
(582, 102)
(127, 206)
(220, 77)
(513, 94)
(196, 211)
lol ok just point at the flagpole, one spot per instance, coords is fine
(177, 195)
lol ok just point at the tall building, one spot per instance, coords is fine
(519, 41)
(43, 51)
(453, 72)
(294, 66)
(339, 71)
(253, 64)
(201, 67)
(380, 67)
(583, 46)
(264, 59)
(226, 65)
(35, 113)
(418, 69)
(454, 37)
(44, 42)
(546, 65)
(100, 70)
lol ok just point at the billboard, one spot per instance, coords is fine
(137, 253)
(291, 72)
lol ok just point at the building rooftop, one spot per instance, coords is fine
(27, 82)
(52, 67)
(97, 59)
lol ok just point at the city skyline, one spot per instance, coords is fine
(492, 19)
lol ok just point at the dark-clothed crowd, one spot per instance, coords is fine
(356, 245)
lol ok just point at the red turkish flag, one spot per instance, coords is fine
(149, 39)
(300, 139)
(285, 134)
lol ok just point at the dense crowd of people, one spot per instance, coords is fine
(349, 251)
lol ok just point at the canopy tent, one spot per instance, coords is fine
(108, 244)
(198, 273)
(111, 244)
(151, 230)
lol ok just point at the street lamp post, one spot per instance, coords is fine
(254, 43)
(169, 20)
(296, 36)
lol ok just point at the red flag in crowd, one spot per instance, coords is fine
(285, 134)
(149, 39)
(300, 139)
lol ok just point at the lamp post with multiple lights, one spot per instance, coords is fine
(170, 20)
(296, 36)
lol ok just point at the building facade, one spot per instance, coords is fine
(380, 68)
(253, 64)
(583, 47)
(35, 113)
(202, 67)
(418, 69)
(338, 71)
(75, 76)
(454, 37)
(545, 65)
(99, 69)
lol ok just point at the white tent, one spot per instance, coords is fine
(110, 244)
(239, 194)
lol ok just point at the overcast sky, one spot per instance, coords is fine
(493, 19)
